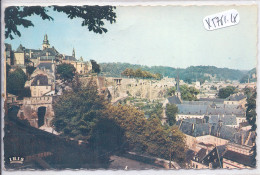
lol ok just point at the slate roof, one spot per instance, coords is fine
(192, 109)
(238, 157)
(225, 119)
(213, 158)
(51, 51)
(47, 66)
(236, 97)
(20, 49)
(215, 100)
(193, 128)
(174, 100)
(43, 80)
(223, 109)
(71, 58)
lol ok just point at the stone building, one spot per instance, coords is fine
(238, 156)
(37, 110)
(81, 66)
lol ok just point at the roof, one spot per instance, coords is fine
(225, 119)
(20, 48)
(236, 97)
(213, 158)
(239, 158)
(47, 66)
(71, 58)
(174, 100)
(51, 52)
(192, 109)
(215, 100)
(224, 109)
(42, 79)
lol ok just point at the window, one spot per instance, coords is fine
(196, 166)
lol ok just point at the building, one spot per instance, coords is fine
(81, 66)
(236, 99)
(238, 156)
(40, 86)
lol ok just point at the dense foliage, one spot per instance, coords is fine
(92, 17)
(171, 91)
(171, 112)
(138, 73)
(76, 112)
(251, 110)
(188, 93)
(226, 92)
(84, 114)
(30, 70)
(148, 135)
(66, 72)
(16, 81)
(95, 67)
(190, 74)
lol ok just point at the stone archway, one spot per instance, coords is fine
(41, 116)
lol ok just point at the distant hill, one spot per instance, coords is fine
(250, 75)
(192, 73)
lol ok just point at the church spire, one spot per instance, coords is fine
(178, 91)
(73, 53)
(45, 43)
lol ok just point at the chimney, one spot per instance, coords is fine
(30, 53)
(38, 82)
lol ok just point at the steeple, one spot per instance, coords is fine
(73, 53)
(178, 91)
(45, 43)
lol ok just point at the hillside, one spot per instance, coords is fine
(250, 75)
(189, 74)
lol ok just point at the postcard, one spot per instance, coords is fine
(90, 87)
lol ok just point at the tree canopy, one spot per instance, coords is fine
(95, 67)
(171, 111)
(188, 93)
(16, 81)
(138, 73)
(76, 112)
(92, 17)
(227, 91)
(85, 115)
(66, 72)
(251, 110)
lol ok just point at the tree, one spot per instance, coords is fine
(93, 17)
(156, 111)
(251, 111)
(16, 81)
(188, 93)
(147, 136)
(30, 69)
(171, 91)
(171, 111)
(226, 92)
(95, 67)
(66, 72)
(76, 112)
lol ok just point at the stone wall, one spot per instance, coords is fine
(30, 107)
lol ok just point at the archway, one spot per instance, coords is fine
(41, 114)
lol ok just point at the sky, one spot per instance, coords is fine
(154, 36)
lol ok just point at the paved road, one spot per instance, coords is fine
(120, 163)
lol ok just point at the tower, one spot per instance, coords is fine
(73, 53)
(45, 43)
(178, 91)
